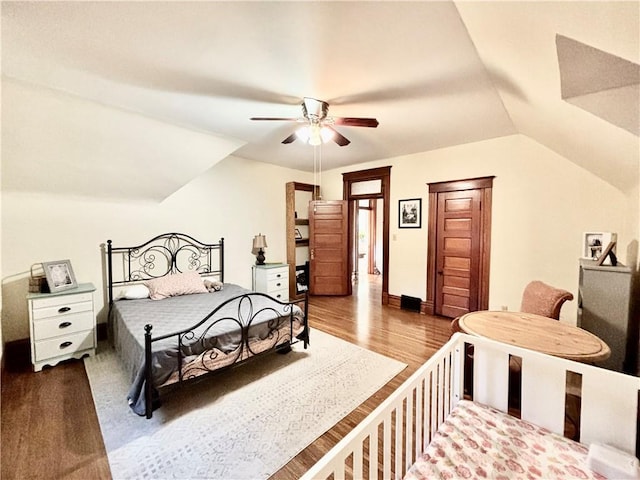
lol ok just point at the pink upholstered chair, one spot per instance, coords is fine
(543, 299)
(540, 299)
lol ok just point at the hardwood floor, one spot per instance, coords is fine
(50, 429)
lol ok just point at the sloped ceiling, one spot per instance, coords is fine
(161, 91)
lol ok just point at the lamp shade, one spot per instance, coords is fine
(259, 241)
(259, 244)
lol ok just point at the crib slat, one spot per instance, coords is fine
(491, 377)
(616, 394)
(398, 441)
(373, 454)
(441, 393)
(447, 385)
(433, 385)
(386, 457)
(418, 423)
(457, 379)
(357, 463)
(543, 392)
(408, 434)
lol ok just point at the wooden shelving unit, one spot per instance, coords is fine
(298, 196)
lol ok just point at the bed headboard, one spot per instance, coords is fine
(165, 254)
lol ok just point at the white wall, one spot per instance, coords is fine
(236, 199)
(542, 203)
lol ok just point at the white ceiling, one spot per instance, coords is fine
(434, 74)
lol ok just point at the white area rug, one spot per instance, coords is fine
(242, 424)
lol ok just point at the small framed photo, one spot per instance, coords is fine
(298, 234)
(410, 213)
(594, 243)
(59, 275)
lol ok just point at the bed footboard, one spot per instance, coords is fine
(393, 436)
(263, 325)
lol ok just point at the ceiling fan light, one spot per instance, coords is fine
(315, 140)
(327, 134)
(314, 134)
(303, 133)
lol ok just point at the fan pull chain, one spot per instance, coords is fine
(320, 173)
(315, 166)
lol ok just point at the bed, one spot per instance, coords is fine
(431, 428)
(173, 319)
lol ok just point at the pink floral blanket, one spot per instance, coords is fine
(479, 442)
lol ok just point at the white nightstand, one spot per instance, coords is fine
(272, 279)
(62, 325)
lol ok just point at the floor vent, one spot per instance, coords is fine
(410, 303)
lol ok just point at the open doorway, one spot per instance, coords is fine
(367, 192)
(368, 251)
(367, 272)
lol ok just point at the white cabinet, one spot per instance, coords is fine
(62, 325)
(604, 309)
(272, 279)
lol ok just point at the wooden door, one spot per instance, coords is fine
(458, 252)
(328, 247)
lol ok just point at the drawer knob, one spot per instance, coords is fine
(65, 345)
(278, 284)
(64, 309)
(64, 325)
(278, 275)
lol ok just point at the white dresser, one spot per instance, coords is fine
(62, 325)
(272, 279)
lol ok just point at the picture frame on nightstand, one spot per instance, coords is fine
(59, 275)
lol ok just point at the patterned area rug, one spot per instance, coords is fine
(242, 424)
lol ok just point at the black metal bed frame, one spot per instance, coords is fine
(179, 252)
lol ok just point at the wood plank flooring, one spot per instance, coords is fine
(50, 429)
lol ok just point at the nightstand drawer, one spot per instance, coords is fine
(63, 345)
(61, 310)
(61, 300)
(62, 325)
(282, 294)
(277, 284)
(276, 274)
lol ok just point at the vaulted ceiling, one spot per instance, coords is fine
(163, 90)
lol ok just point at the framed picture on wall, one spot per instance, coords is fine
(59, 275)
(410, 213)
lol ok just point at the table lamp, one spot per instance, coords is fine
(259, 244)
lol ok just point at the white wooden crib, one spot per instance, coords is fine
(608, 407)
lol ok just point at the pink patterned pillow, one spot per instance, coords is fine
(176, 284)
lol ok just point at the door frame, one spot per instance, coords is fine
(384, 175)
(486, 185)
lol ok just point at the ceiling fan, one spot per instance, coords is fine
(318, 126)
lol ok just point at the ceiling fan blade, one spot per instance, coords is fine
(290, 139)
(355, 122)
(276, 118)
(339, 138)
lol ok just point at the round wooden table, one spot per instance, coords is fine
(536, 332)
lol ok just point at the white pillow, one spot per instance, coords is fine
(176, 284)
(133, 292)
